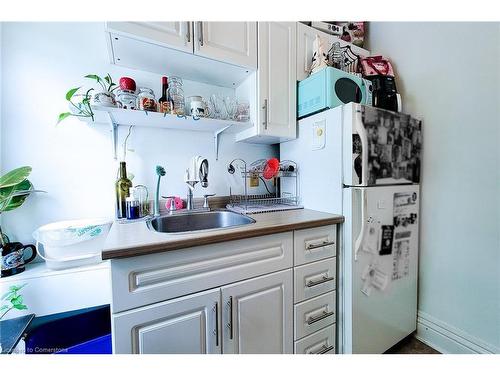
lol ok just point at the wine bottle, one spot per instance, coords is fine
(122, 187)
(164, 102)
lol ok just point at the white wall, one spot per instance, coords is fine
(73, 161)
(449, 74)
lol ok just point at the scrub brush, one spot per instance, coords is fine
(160, 172)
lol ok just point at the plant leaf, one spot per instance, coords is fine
(18, 300)
(20, 307)
(62, 116)
(15, 176)
(8, 295)
(71, 92)
(4, 308)
(94, 76)
(108, 79)
(8, 202)
(17, 288)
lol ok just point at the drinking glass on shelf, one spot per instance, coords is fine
(217, 104)
(243, 111)
(230, 106)
(177, 94)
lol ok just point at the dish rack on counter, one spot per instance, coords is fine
(284, 198)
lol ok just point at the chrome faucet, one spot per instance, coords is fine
(197, 172)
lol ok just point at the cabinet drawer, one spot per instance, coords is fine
(314, 244)
(314, 314)
(321, 342)
(147, 279)
(314, 279)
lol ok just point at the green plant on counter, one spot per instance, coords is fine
(14, 300)
(14, 189)
(82, 107)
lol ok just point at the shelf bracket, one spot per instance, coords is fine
(114, 135)
(216, 140)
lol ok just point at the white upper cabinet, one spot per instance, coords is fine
(257, 315)
(186, 325)
(305, 39)
(276, 84)
(176, 35)
(231, 42)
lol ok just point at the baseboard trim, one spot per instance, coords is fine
(448, 339)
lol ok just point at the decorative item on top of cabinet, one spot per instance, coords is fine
(305, 39)
(275, 111)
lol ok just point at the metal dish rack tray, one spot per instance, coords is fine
(282, 200)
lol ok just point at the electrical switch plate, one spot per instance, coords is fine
(319, 135)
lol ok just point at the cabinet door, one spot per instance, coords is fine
(184, 325)
(277, 79)
(231, 42)
(257, 315)
(177, 35)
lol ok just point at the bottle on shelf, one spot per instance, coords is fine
(164, 103)
(122, 191)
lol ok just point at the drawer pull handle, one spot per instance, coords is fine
(318, 245)
(324, 314)
(324, 349)
(216, 332)
(323, 280)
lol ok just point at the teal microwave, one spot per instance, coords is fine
(329, 88)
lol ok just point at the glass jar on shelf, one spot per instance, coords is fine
(176, 94)
(146, 100)
(126, 99)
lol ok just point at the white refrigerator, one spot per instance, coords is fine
(364, 163)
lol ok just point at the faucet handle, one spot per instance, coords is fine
(172, 202)
(205, 200)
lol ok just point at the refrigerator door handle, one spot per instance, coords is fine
(360, 129)
(361, 235)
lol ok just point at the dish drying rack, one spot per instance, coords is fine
(285, 197)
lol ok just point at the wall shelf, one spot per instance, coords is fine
(116, 117)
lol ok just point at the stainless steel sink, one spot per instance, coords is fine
(196, 221)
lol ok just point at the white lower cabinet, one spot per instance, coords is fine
(257, 315)
(249, 306)
(248, 317)
(183, 325)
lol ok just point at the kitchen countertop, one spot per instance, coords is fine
(133, 239)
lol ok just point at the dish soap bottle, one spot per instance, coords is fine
(122, 191)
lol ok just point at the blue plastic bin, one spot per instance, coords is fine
(85, 331)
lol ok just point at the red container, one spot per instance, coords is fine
(127, 83)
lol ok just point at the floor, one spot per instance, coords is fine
(411, 345)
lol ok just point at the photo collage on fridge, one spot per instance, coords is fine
(394, 142)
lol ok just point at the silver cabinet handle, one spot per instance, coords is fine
(324, 349)
(323, 315)
(200, 33)
(216, 307)
(323, 280)
(230, 324)
(264, 107)
(318, 245)
(188, 34)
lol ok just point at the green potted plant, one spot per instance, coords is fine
(14, 190)
(12, 300)
(80, 104)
